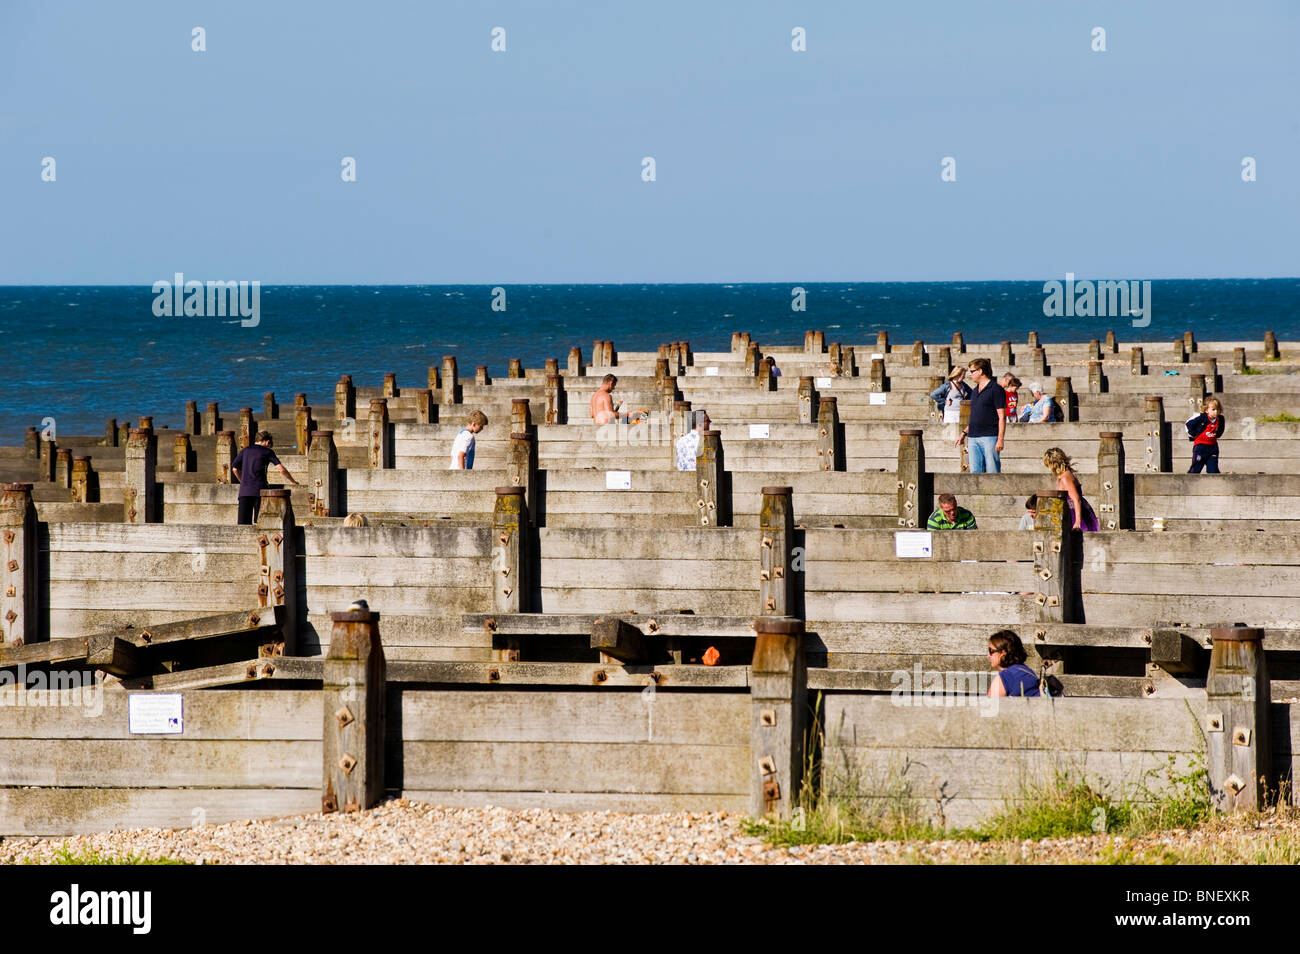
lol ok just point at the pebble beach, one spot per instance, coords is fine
(407, 832)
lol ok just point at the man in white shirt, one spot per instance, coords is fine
(462, 451)
(688, 445)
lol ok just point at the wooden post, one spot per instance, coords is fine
(936, 382)
(192, 421)
(83, 480)
(1189, 342)
(1180, 352)
(1153, 423)
(300, 400)
(598, 351)
(943, 361)
(510, 578)
(958, 343)
(882, 342)
(1004, 355)
(1195, 392)
(806, 400)
(1112, 346)
(1237, 729)
(913, 486)
(123, 432)
(1238, 360)
(48, 455)
(424, 406)
(323, 475)
(710, 502)
(1211, 366)
(576, 369)
(450, 383)
(1065, 399)
(225, 455)
(270, 410)
(521, 469)
(1270, 347)
(1094, 350)
(381, 442)
(181, 454)
(918, 354)
(661, 369)
(681, 423)
(515, 368)
(434, 380)
(246, 427)
(828, 421)
(609, 357)
(764, 380)
(303, 425)
(667, 396)
(146, 421)
(139, 488)
(878, 375)
(776, 545)
(521, 418)
(390, 385)
(1038, 363)
(63, 468)
(751, 358)
(1114, 505)
(211, 419)
(110, 437)
(848, 362)
(345, 399)
(807, 342)
(836, 359)
(1136, 364)
(819, 341)
(1096, 380)
(19, 609)
(481, 375)
(1033, 340)
(277, 548)
(778, 690)
(1056, 561)
(555, 400)
(354, 680)
(550, 366)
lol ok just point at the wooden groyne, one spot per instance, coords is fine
(575, 623)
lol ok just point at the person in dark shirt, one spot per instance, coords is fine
(1204, 431)
(988, 419)
(249, 468)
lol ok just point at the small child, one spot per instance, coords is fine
(1204, 431)
(462, 451)
(1030, 514)
(1011, 384)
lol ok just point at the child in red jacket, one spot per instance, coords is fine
(1204, 431)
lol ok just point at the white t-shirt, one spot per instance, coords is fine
(464, 444)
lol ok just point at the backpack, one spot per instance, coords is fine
(1049, 685)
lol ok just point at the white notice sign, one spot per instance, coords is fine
(618, 480)
(822, 382)
(877, 397)
(758, 432)
(150, 714)
(711, 370)
(913, 544)
(877, 357)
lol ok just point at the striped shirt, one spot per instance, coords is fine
(965, 520)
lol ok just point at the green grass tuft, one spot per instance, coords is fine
(1284, 418)
(89, 856)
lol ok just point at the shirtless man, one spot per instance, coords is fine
(602, 403)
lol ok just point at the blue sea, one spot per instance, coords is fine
(81, 354)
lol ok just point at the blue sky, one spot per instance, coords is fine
(525, 166)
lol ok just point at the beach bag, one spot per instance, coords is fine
(1049, 685)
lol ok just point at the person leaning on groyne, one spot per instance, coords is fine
(249, 468)
(462, 450)
(1204, 431)
(1079, 511)
(987, 426)
(688, 445)
(1031, 513)
(949, 395)
(950, 517)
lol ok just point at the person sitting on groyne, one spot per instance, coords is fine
(1007, 657)
(603, 409)
(1031, 513)
(688, 445)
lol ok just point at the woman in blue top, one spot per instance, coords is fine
(1007, 657)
